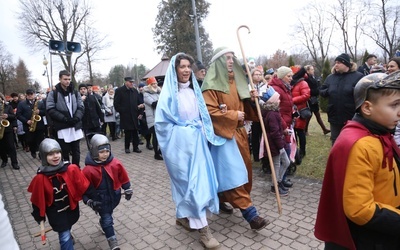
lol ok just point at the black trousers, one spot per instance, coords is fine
(7, 148)
(256, 134)
(71, 147)
(154, 141)
(131, 136)
(33, 139)
(111, 126)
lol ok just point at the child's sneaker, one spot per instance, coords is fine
(113, 243)
(281, 191)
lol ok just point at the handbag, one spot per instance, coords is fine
(305, 113)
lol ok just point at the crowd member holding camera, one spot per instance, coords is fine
(65, 109)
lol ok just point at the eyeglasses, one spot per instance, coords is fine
(257, 75)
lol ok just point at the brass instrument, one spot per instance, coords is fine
(34, 118)
(4, 123)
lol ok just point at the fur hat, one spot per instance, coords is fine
(283, 71)
(345, 59)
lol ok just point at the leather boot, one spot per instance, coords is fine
(206, 238)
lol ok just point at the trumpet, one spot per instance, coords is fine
(34, 118)
(4, 123)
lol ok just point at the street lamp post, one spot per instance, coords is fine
(45, 62)
(136, 66)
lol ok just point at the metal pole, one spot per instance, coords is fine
(196, 31)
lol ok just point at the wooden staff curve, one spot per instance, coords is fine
(278, 198)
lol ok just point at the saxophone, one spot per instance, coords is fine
(4, 123)
(34, 118)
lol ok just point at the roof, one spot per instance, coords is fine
(159, 70)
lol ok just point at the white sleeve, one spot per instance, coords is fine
(7, 240)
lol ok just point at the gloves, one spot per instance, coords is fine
(37, 217)
(95, 205)
(72, 121)
(128, 194)
(154, 104)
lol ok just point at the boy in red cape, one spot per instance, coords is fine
(56, 191)
(360, 197)
(108, 175)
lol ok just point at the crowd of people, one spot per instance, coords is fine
(212, 172)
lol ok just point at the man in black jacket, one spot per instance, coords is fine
(370, 61)
(25, 111)
(93, 114)
(338, 88)
(65, 108)
(127, 103)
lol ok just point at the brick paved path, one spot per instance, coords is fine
(148, 220)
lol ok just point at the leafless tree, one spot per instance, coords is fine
(92, 43)
(350, 16)
(383, 26)
(7, 69)
(42, 20)
(314, 32)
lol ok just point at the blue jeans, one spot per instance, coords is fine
(107, 222)
(66, 242)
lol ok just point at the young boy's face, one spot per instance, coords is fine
(386, 110)
(54, 158)
(104, 154)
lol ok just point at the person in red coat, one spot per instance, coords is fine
(108, 176)
(300, 95)
(281, 84)
(56, 191)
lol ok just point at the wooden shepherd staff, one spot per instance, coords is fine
(278, 198)
(42, 232)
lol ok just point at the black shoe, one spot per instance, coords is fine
(223, 207)
(287, 183)
(149, 146)
(137, 150)
(258, 223)
(141, 143)
(15, 166)
(33, 155)
(281, 186)
(127, 150)
(3, 164)
(158, 157)
(282, 192)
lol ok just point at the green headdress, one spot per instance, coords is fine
(217, 75)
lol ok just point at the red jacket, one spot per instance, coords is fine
(286, 105)
(300, 95)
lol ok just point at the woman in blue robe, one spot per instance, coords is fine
(184, 131)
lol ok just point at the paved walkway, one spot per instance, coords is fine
(148, 220)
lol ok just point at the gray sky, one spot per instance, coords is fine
(128, 24)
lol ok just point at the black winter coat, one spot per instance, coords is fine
(93, 114)
(126, 102)
(338, 88)
(58, 110)
(24, 113)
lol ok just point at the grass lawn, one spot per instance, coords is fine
(317, 151)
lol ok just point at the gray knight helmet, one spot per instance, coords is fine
(46, 146)
(374, 81)
(96, 143)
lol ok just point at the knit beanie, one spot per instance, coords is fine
(271, 96)
(345, 59)
(283, 71)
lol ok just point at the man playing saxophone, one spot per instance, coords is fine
(29, 112)
(7, 122)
